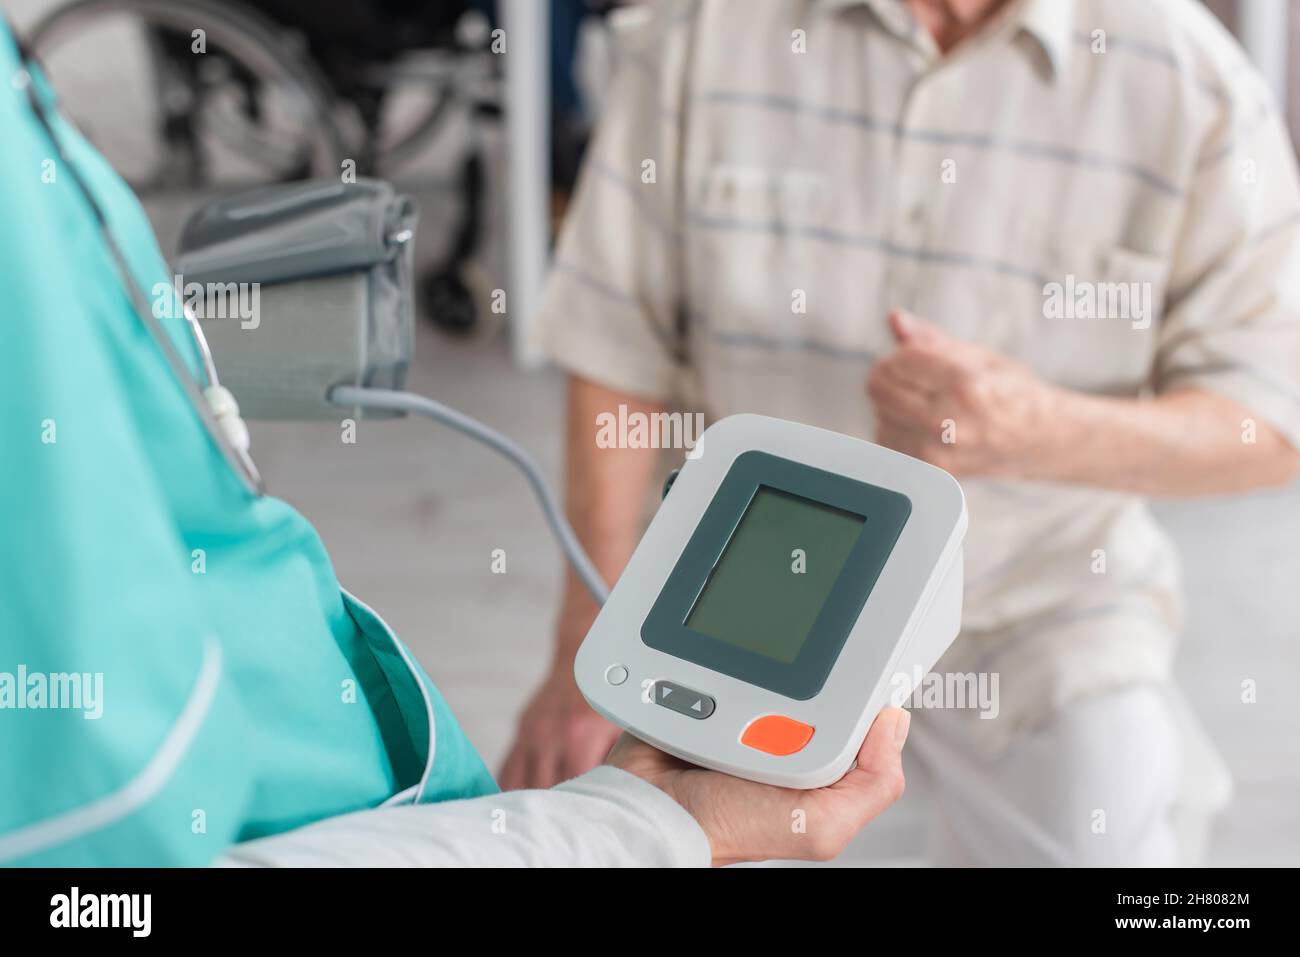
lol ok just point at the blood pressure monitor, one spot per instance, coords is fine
(792, 580)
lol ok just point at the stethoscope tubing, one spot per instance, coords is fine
(239, 458)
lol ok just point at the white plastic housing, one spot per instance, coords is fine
(910, 618)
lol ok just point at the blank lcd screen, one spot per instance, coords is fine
(775, 574)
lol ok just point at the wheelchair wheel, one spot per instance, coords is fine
(224, 97)
(448, 302)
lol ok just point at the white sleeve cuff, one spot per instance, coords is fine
(606, 818)
(682, 842)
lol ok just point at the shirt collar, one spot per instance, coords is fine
(893, 14)
(1049, 22)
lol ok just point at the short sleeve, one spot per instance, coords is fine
(1232, 318)
(612, 304)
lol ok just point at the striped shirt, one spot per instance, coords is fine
(1102, 189)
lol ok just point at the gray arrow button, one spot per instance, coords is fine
(683, 700)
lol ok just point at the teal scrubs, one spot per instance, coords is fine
(244, 692)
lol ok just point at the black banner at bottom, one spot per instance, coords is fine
(206, 907)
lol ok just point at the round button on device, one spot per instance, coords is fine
(616, 674)
(776, 734)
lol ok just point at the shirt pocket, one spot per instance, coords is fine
(1084, 313)
(763, 263)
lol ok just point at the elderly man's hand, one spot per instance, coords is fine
(960, 406)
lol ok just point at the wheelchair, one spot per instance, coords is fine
(238, 92)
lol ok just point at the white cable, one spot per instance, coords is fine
(419, 405)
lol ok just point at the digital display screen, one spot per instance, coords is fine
(775, 574)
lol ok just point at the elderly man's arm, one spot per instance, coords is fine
(1224, 413)
(1187, 442)
(559, 735)
(977, 413)
(612, 318)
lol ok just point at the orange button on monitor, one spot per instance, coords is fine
(777, 734)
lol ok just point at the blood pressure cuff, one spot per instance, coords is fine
(303, 287)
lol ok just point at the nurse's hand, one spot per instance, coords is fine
(962, 407)
(745, 821)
